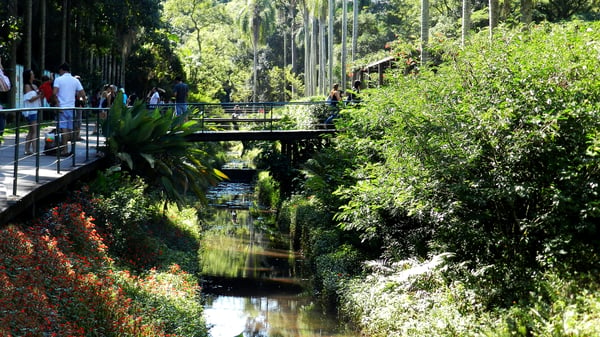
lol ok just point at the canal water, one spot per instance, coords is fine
(251, 280)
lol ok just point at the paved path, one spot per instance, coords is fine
(40, 175)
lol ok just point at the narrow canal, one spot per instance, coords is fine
(252, 281)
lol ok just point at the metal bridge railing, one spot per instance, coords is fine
(27, 168)
(259, 116)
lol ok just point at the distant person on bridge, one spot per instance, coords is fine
(335, 96)
(66, 89)
(235, 115)
(353, 93)
(154, 98)
(180, 92)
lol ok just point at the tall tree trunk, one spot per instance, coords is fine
(466, 20)
(284, 35)
(13, 11)
(424, 30)
(255, 63)
(63, 37)
(322, 55)
(28, 35)
(313, 55)
(43, 9)
(293, 41)
(355, 7)
(493, 16)
(344, 41)
(306, 50)
(526, 11)
(331, 7)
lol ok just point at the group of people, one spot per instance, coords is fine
(62, 92)
(180, 96)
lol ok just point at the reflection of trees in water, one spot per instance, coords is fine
(236, 244)
(256, 327)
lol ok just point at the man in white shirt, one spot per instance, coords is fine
(66, 89)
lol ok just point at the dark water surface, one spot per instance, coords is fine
(252, 283)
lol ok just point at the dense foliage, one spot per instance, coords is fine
(491, 159)
(236, 49)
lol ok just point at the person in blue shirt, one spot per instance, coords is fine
(180, 92)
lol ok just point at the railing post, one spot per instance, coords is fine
(87, 134)
(16, 156)
(202, 116)
(37, 147)
(58, 134)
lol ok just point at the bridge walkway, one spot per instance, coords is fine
(27, 179)
(31, 178)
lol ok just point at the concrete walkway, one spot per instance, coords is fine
(39, 175)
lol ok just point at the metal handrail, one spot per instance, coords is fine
(262, 112)
(268, 113)
(21, 163)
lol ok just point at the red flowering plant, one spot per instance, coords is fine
(55, 280)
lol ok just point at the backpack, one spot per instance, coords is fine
(51, 143)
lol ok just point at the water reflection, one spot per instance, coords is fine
(249, 274)
(273, 316)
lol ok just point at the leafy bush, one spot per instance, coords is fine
(309, 115)
(412, 298)
(170, 297)
(332, 269)
(266, 191)
(58, 276)
(491, 157)
(154, 146)
(302, 215)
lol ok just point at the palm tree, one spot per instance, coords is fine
(493, 12)
(424, 30)
(322, 17)
(292, 39)
(28, 36)
(315, 10)
(355, 8)
(153, 146)
(466, 20)
(331, 6)
(307, 73)
(257, 17)
(344, 41)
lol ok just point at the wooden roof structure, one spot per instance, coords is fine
(378, 68)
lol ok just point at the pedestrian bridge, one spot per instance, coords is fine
(27, 179)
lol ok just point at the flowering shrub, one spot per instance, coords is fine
(57, 279)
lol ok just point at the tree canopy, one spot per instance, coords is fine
(143, 43)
